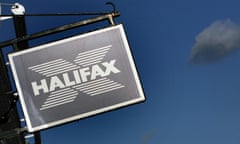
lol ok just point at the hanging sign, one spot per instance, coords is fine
(77, 77)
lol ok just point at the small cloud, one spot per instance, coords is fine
(215, 42)
(148, 136)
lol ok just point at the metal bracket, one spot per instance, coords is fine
(113, 6)
(18, 9)
(12, 133)
(4, 118)
(110, 17)
(7, 63)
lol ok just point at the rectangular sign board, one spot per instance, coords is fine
(77, 77)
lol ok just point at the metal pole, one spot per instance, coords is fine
(20, 31)
(11, 120)
(10, 126)
(59, 29)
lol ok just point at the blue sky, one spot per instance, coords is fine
(186, 103)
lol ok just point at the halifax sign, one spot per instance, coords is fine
(77, 77)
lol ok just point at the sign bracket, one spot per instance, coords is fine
(108, 16)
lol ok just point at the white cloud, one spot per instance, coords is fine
(216, 42)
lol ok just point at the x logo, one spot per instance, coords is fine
(92, 88)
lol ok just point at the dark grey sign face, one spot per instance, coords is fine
(76, 77)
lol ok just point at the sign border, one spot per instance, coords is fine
(87, 114)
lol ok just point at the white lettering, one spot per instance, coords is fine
(77, 77)
(84, 72)
(55, 82)
(67, 80)
(96, 71)
(43, 86)
(110, 67)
